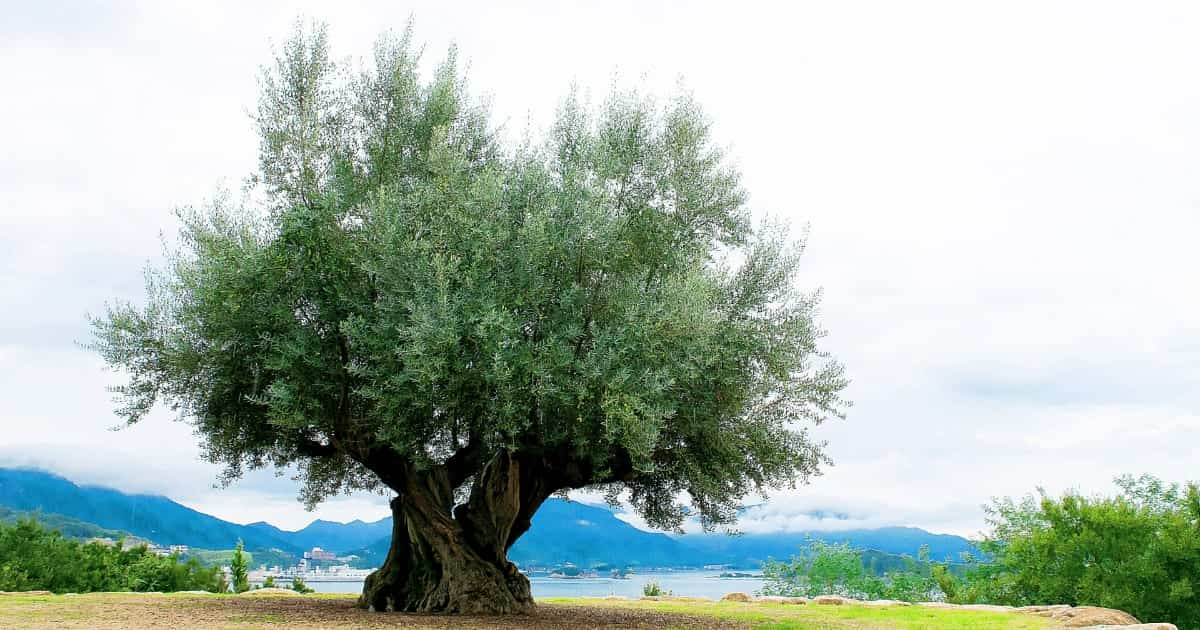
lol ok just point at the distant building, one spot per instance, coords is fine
(320, 554)
(179, 548)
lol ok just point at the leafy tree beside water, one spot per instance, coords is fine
(405, 304)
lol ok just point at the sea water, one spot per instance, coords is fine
(689, 583)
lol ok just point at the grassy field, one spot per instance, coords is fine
(268, 612)
(791, 617)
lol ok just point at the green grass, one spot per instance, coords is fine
(811, 616)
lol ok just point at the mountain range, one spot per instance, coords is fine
(562, 531)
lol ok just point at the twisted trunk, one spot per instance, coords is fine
(457, 563)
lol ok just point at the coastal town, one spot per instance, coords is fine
(311, 568)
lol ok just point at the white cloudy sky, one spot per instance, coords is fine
(1004, 200)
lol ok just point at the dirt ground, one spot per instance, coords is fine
(179, 612)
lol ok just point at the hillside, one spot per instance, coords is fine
(164, 521)
(587, 535)
(223, 557)
(152, 517)
(753, 549)
(341, 536)
(590, 535)
(67, 526)
(562, 531)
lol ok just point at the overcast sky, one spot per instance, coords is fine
(1004, 201)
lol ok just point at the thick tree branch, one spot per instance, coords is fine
(312, 448)
(392, 469)
(466, 461)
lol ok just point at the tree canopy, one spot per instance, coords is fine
(403, 301)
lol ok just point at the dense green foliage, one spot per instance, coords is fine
(839, 569)
(34, 558)
(299, 586)
(239, 570)
(1138, 551)
(401, 287)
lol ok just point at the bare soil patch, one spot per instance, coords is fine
(175, 612)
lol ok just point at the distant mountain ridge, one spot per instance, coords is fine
(164, 521)
(588, 535)
(753, 549)
(562, 531)
(570, 531)
(340, 537)
(151, 517)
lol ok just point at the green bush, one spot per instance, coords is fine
(34, 558)
(838, 569)
(1138, 551)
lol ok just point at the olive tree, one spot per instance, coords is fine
(402, 303)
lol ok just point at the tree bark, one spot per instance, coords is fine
(457, 563)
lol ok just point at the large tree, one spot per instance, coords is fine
(401, 303)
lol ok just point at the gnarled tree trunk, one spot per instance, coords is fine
(457, 563)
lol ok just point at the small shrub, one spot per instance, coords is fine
(239, 568)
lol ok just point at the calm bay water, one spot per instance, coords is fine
(691, 583)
